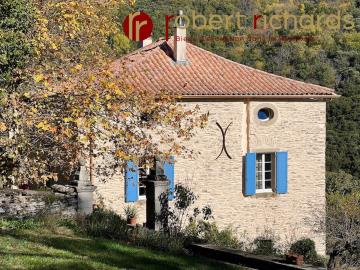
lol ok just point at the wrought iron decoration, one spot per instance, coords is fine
(224, 141)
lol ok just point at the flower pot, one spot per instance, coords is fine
(299, 260)
(131, 221)
(295, 259)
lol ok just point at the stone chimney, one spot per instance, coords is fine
(180, 39)
(146, 42)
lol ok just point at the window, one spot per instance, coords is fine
(265, 114)
(264, 172)
(144, 172)
(142, 188)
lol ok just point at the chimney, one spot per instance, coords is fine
(180, 39)
(146, 42)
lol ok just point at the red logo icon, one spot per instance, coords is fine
(138, 26)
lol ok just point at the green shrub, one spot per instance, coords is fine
(206, 232)
(106, 224)
(264, 246)
(156, 240)
(50, 221)
(305, 247)
(319, 261)
(187, 223)
(44, 220)
(176, 216)
(130, 212)
(26, 224)
(225, 237)
(71, 223)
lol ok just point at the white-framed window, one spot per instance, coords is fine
(265, 172)
(144, 172)
(142, 189)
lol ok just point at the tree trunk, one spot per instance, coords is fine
(334, 261)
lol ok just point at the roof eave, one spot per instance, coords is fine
(314, 97)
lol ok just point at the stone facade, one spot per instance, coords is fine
(298, 127)
(20, 204)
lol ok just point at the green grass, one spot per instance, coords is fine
(61, 249)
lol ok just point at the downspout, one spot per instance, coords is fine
(247, 102)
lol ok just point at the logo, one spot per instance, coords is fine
(138, 26)
(282, 21)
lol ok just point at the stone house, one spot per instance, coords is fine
(261, 165)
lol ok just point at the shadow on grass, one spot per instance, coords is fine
(64, 266)
(111, 254)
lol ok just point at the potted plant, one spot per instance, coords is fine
(131, 214)
(294, 258)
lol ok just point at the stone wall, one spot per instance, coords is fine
(19, 204)
(299, 128)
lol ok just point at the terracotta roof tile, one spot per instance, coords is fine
(153, 69)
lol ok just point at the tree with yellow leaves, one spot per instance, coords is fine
(71, 104)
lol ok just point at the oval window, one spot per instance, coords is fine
(265, 114)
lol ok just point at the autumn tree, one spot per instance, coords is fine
(343, 230)
(73, 104)
(16, 50)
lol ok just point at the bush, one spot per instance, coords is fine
(305, 247)
(144, 237)
(26, 224)
(130, 212)
(176, 218)
(206, 232)
(49, 221)
(224, 238)
(71, 223)
(319, 261)
(190, 224)
(45, 220)
(106, 224)
(343, 230)
(264, 246)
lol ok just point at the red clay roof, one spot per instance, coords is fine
(153, 68)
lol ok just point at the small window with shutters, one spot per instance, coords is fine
(266, 172)
(136, 175)
(145, 170)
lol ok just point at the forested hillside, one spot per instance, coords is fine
(45, 44)
(331, 59)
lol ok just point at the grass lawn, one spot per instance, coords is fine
(61, 249)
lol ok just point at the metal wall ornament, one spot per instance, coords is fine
(224, 140)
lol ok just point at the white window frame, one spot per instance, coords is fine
(143, 197)
(263, 172)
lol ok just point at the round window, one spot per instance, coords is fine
(265, 114)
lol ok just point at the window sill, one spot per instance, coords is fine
(142, 198)
(259, 191)
(265, 194)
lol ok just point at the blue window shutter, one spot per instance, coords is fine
(250, 180)
(281, 172)
(131, 182)
(170, 175)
